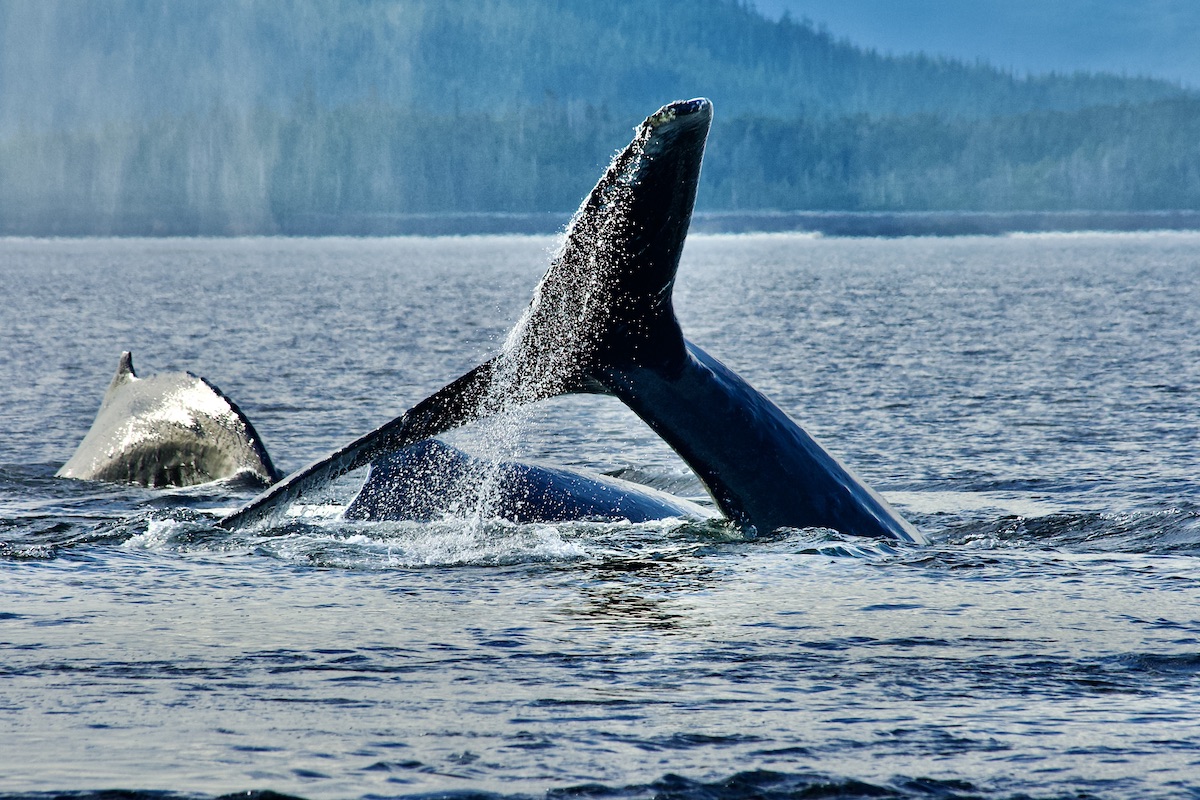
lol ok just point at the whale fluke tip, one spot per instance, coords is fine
(699, 108)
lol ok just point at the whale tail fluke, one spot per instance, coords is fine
(124, 375)
(602, 320)
(612, 280)
(605, 297)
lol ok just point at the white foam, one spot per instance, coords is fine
(451, 543)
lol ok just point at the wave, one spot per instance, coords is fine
(316, 535)
(42, 517)
(750, 785)
(1152, 532)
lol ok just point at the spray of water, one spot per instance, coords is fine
(552, 344)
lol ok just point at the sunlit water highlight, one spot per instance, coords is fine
(1030, 402)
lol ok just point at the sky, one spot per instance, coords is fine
(1160, 38)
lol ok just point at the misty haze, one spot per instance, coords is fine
(262, 117)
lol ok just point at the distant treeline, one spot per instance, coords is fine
(185, 116)
(1126, 157)
(265, 171)
(70, 63)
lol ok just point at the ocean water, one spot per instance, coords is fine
(1032, 403)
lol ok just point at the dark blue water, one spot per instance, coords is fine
(1031, 403)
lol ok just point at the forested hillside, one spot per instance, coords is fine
(182, 116)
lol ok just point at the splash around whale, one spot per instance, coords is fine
(602, 321)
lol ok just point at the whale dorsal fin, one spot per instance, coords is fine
(125, 371)
(125, 376)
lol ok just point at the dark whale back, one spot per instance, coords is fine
(431, 480)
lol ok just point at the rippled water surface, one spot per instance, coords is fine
(1031, 403)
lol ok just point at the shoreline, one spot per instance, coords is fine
(886, 224)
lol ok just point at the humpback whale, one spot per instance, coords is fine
(601, 321)
(179, 430)
(174, 429)
(429, 479)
